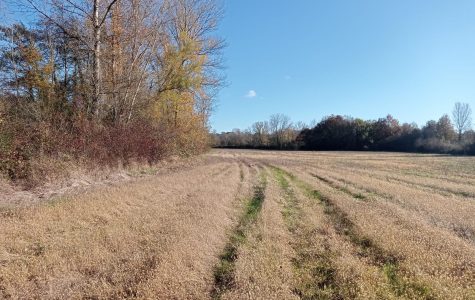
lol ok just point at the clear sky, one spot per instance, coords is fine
(365, 58)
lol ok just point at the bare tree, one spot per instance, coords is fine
(279, 125)
(260, 132)
(300, 125)
(133, 36)
(462, 118)
(95, 14)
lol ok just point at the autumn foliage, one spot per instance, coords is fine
(135, 87)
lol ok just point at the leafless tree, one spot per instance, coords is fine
(260, 132)
(95, 14)
(462, 118)
(133, 36)
(300, 125)
(279, 125)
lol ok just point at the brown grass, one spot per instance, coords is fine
(263, 269)
(160, 236)
(331, 226)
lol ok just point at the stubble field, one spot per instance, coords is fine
(242, 224)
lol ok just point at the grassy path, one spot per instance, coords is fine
(313, 267)
(225, 270)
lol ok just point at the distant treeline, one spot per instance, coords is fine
(336, 132)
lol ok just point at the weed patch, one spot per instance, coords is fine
(403, 288)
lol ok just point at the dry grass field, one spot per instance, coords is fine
(254, 225)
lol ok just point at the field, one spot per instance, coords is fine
(243, 224)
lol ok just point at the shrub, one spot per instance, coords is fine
(28, 144)
(435, 145)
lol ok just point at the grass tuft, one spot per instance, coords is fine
(403, 288)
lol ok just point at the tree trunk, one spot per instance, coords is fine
(96, 75)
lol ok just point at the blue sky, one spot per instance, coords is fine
(365, 58)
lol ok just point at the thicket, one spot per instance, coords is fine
(106, 83)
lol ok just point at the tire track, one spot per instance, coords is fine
(462, 231)
(313, 266)
(224, 271)
(335, 185)
(427, 187)
(388, 263)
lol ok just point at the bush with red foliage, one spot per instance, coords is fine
(84, 140)
(108, 144)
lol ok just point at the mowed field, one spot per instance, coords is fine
(242, 224)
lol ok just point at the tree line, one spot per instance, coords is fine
(445, 135)
(107, 81)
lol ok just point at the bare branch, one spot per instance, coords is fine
(107, 12)
(61, 27)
